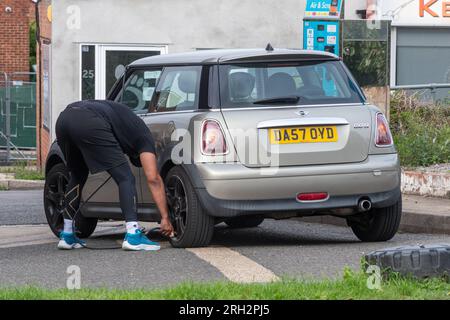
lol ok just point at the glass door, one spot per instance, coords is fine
(103, 65)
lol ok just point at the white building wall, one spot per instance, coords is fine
(180, 24)
(350, 7)
(184, 25)
(407, 13)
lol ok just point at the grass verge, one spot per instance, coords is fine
(352, 286)
(24, 172)
(27, 174)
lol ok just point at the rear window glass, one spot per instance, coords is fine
(313, 82)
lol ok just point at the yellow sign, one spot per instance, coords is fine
(303, 135)
(49, 13)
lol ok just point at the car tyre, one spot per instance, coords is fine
(193, 226)
(379, 224)
(244, 222)
(420, 261)
(54, 189)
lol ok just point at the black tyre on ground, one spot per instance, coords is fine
(421, 261)
(379, 224)
(244, 222)
(54, 190)
(193, 227)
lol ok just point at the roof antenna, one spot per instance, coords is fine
(269, 47)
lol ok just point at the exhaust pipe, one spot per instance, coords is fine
(364, 205)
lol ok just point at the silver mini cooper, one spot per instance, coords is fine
(245, 135)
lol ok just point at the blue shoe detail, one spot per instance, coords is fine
(69, 241)
(139, 242)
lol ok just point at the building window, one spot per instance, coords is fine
(87, 72)
(116, 60)
(103, 65)
(423, 56)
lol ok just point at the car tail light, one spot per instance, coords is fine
(213, 139)
(315, 196)
(383, 135)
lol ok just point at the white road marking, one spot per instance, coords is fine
(233, 265)
(27, 235)
(230, 263)
(23, 235)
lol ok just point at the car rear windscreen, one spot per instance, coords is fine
(304, 83)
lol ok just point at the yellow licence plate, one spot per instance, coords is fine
(303, 135)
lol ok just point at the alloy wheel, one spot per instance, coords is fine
(54, 200)
(178, 206)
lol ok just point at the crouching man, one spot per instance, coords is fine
(95, 136)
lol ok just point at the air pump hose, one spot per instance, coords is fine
(78, 211)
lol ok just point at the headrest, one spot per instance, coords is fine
(280, 84)
(241, 85)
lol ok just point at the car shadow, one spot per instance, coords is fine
(281, 235)
(270, 233)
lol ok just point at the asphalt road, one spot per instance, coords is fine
(21, 207)
(283, 248)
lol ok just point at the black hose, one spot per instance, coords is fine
(78, 211)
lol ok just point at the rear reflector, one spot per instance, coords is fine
(316, 196)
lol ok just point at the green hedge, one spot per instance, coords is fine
(421, 132)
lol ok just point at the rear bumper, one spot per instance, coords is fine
(232, 208)
(232, 189)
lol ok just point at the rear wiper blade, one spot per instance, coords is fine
(279, 100)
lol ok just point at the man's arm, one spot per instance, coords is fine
(156, 186)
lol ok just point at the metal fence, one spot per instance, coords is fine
(433, 93)
(17, 116)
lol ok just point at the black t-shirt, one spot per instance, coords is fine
(130, 130)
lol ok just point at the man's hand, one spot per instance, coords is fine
(156, 186)
(166, 227)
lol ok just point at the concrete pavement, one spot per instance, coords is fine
(428, 215)
(17, 184)
(420, 215)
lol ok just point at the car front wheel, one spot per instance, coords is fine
(54, 190)
(193, 227)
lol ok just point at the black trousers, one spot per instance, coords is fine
(124, 179)
(88, 145)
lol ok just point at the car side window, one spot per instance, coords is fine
(139, 89)
(178, 89)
